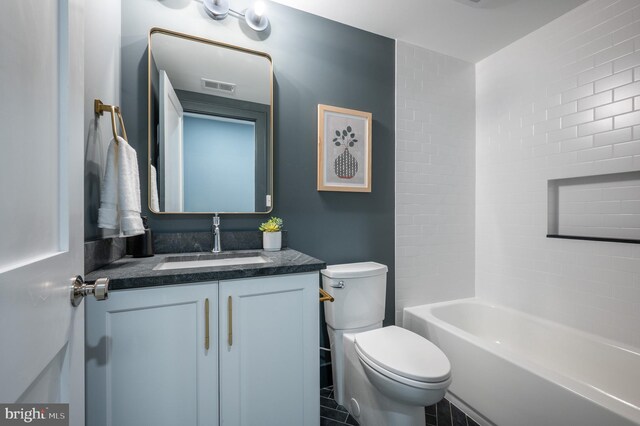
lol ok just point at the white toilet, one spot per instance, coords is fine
(382, 375)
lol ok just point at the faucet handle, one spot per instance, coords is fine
(216, 220)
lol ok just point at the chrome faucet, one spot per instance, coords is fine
(217, 248)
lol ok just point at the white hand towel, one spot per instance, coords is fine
(155, 204)
(128, 190)
(120, 194)
(108, 212)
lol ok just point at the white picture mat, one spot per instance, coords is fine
(338, 121)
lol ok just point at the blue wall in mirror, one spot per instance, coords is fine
(219, 171)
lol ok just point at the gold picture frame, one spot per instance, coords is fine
(339, 130)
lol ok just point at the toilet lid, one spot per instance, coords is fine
(354, 270)
(404, 353)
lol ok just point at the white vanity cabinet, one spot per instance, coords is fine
(269, 362)
(147, 361)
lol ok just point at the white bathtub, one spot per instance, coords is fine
(515, 369)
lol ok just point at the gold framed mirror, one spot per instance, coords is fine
(210, 126)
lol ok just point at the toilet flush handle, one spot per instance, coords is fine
(340, 284)
(325, 297)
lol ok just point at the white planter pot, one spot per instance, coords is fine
(271, 241)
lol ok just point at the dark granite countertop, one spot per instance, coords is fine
(129, 272)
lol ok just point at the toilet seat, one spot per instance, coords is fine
(373, 369)
(404, 356)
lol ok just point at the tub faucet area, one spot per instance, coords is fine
(217, 247)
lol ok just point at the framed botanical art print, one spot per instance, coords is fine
(344, 149)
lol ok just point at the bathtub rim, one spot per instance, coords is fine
(574, 385)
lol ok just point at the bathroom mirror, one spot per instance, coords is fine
(210, 126)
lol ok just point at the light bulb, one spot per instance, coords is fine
(256, 17)
(259, 8)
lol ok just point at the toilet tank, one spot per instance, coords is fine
(359, 290)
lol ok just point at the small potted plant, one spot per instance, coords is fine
(272, 234)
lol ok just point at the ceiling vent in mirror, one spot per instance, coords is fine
(221, 86)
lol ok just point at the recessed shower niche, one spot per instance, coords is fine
(600, 208)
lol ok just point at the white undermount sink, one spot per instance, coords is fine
(211, 260)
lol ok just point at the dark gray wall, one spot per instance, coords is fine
(316, 61)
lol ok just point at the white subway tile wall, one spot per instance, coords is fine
(561, 102)
(435, 177)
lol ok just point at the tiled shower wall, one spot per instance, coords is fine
(562, 102)
(435, 177)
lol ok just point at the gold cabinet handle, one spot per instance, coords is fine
(230, 321)
(326, 297)
(206, 323)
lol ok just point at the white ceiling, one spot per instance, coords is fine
(461, 28)
(187, 62)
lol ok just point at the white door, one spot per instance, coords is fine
(41, 197)
(171, 146)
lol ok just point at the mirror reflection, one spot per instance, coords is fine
(210, 120)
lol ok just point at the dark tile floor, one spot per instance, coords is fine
(443, 413)
(332, 414)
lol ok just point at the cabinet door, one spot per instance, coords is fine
(269, 357)
(146, 361)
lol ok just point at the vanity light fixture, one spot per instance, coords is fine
(254, 16)
(216, 9)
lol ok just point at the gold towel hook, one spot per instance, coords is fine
(100, 108)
